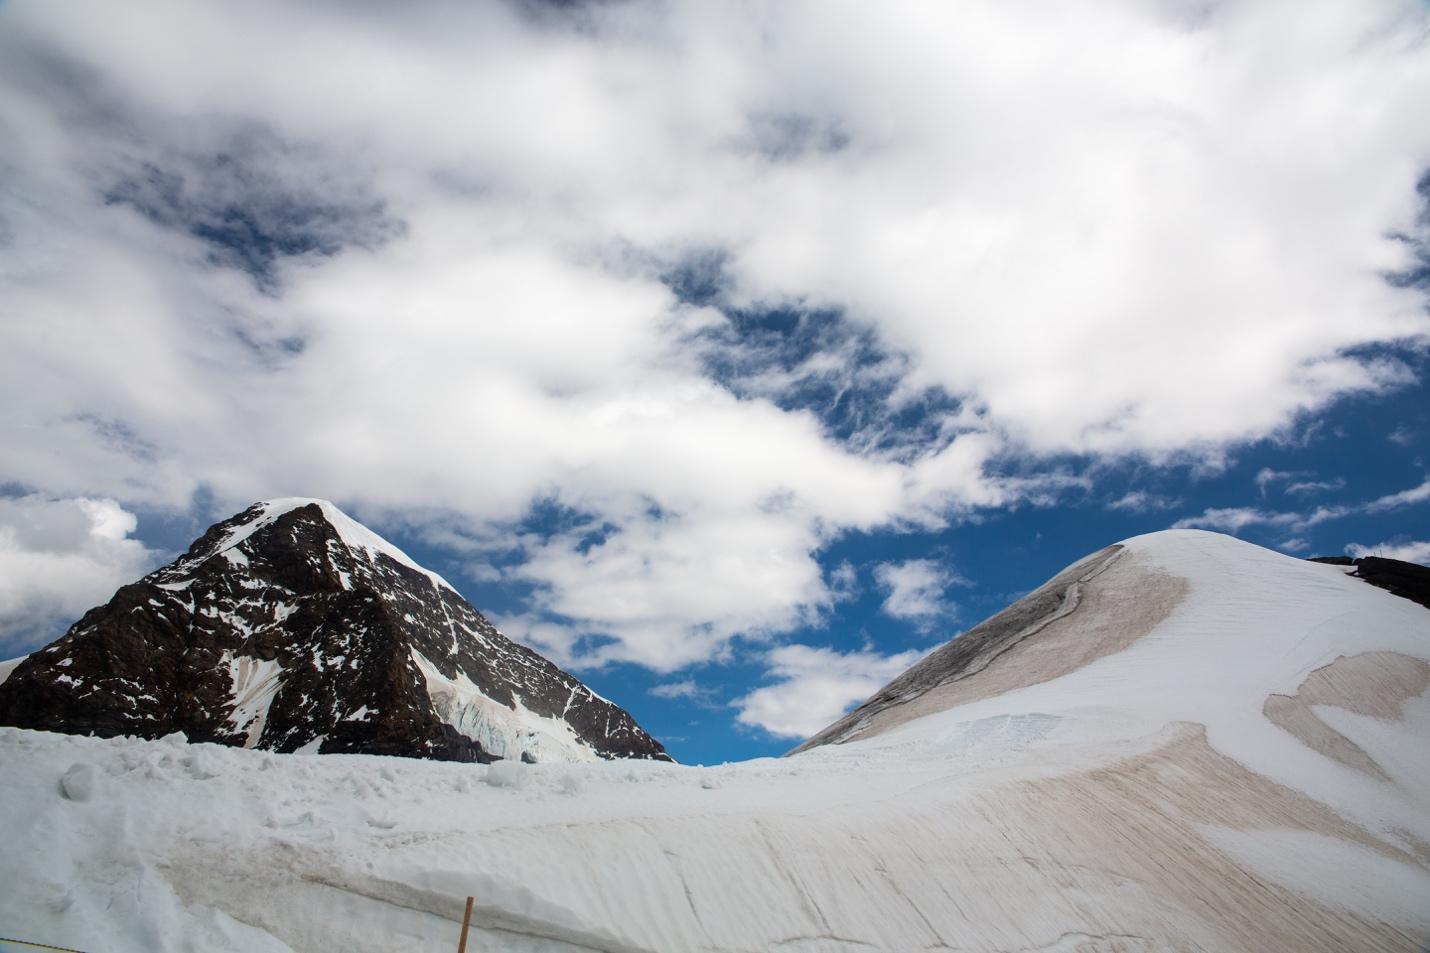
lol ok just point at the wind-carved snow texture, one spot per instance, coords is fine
(291, 625)
(1121, 788)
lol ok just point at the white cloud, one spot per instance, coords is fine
(1382, 504)
(59, 558)
(554, 640)
(1110, 229)
(1296, 482)
(816, 686)
(1312, 487)
(1417, 551)
(1233, 519)
(1141, 501)
(1393, 501)
(685, 688)
(1267, 476)
(671, 591)
(844, 581)
(1402, 436)
(916, 589)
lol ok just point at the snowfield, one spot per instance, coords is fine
(1217, 748)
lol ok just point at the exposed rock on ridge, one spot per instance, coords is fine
(1407, 580)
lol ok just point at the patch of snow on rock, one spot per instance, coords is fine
(502, 731)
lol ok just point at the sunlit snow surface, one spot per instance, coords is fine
(255, 682)
(507, 732)
(1142, 802)
(8, 666)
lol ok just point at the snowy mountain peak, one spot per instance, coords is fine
(292, 626)
(231, 533)
(1178, 625)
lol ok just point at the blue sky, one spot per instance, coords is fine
(731, 358)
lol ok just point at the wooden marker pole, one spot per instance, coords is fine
(466, 922)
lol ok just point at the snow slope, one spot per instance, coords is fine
(1221, 748)
(8, 666)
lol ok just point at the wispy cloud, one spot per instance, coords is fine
(1142, 501)
(844, 581)
(1392, 501)
(1236, 518)
(1266, 476)
(1403, 436)
(1233, 519)
(1298, 482)
(686, 688)
(1312, 487)
(1415, 551)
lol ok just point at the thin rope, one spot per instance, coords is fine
(38, 946)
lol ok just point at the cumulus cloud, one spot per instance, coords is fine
(59, 558)
(513, 269)
(916, 589)
(667, 591)
(815, 686)
(1416, 551)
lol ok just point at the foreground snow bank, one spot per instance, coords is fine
(1143, 800)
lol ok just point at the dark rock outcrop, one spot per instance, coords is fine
(1407, 580)
(292, 627)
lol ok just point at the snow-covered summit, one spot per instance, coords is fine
(292, 626)
(232, 533)
(349, 530)
(1183, 625)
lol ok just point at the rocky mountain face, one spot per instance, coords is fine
(292, 627)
